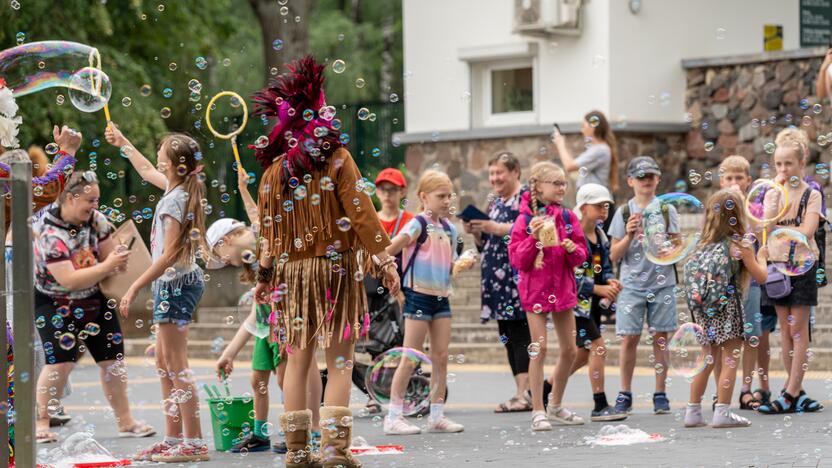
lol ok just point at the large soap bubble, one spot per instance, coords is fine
(766, 201)
(690, 351)
(379, 379)
(789, 252)
(36, 66)
(672, 224)
(260, 328)
(89, 89)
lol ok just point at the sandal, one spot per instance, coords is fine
(783, 404)
(807, 405)
(763, 396)
(514, 405)
(540, 422)
(749, 404)
(46, 437)
(138, 430)
(373, 407)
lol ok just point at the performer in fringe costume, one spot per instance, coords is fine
(318, 226)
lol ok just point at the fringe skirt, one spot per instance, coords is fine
(321, 299)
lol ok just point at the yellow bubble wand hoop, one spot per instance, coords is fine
(763, 221)
(233, 135)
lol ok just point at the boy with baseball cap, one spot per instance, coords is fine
(648, 288)
(391, 188)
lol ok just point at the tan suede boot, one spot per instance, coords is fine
(336, 437)
(296, 427)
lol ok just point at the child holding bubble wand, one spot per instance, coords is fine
(233, 243)
(547, 244)
(801, 213)
(721, 322)
(177, 238)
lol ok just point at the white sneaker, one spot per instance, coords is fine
(693, 415)
(563, 416)
(540, 422)
(400, 426)
(724, 417)
(444, 424)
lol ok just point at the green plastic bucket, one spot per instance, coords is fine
(231, 418)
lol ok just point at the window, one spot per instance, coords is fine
(512, 90)
(505, 93)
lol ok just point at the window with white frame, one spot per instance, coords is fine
(505, 92)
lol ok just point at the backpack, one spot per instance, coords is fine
(420, 241)
(820, 233)
(708, 274)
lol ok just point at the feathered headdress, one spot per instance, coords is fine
(8, 120)
(306, 130)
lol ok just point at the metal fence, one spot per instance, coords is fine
(19, 188)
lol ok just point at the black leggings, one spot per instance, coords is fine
(517, 340)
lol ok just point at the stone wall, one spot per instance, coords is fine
(739, 108)
(736, 105)
(467, 161)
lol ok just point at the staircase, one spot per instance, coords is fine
(471, 342)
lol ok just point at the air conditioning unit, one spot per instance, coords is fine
(547, 17)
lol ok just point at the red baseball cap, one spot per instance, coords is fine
(394, 176)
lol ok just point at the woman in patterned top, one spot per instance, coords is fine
(500, 300)
(74, 252)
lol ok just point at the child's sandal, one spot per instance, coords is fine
(783, 404)
(807, 405)
(749, 404)
(764, 396)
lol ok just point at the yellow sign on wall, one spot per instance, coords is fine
(772, 37)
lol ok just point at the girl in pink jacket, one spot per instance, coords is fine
(547, 244)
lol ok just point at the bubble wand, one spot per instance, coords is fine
(763, 185)
(233, 135)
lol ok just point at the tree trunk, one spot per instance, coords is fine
(274, 25)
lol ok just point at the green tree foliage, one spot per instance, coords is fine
(158, 43)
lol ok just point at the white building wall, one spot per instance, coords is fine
(648, 82)
(623, 64)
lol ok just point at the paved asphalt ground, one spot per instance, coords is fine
(495, 440)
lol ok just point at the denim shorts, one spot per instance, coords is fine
(418, 306)
(753, 324)
(631, 307)
(177, 305)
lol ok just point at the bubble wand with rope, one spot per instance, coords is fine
(233, 135)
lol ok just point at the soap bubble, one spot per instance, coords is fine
(789, 251)
(89, 89)
(666, 245)
(379, 378)
(339, 66)
(689, 351)
(66, 341)
(766, 201)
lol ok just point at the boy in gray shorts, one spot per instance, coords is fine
(648, 288)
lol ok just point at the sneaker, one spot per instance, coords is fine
(661, 405)
(182, 453)
(608, 414)
(624, 402)
(251, 443)
(693, 416)
(400, 426)
(540, 422)
(280, 447)
(444, 424)
(155, 449)
(724, 417)
(563, 416)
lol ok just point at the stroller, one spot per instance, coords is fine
(386, 332)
